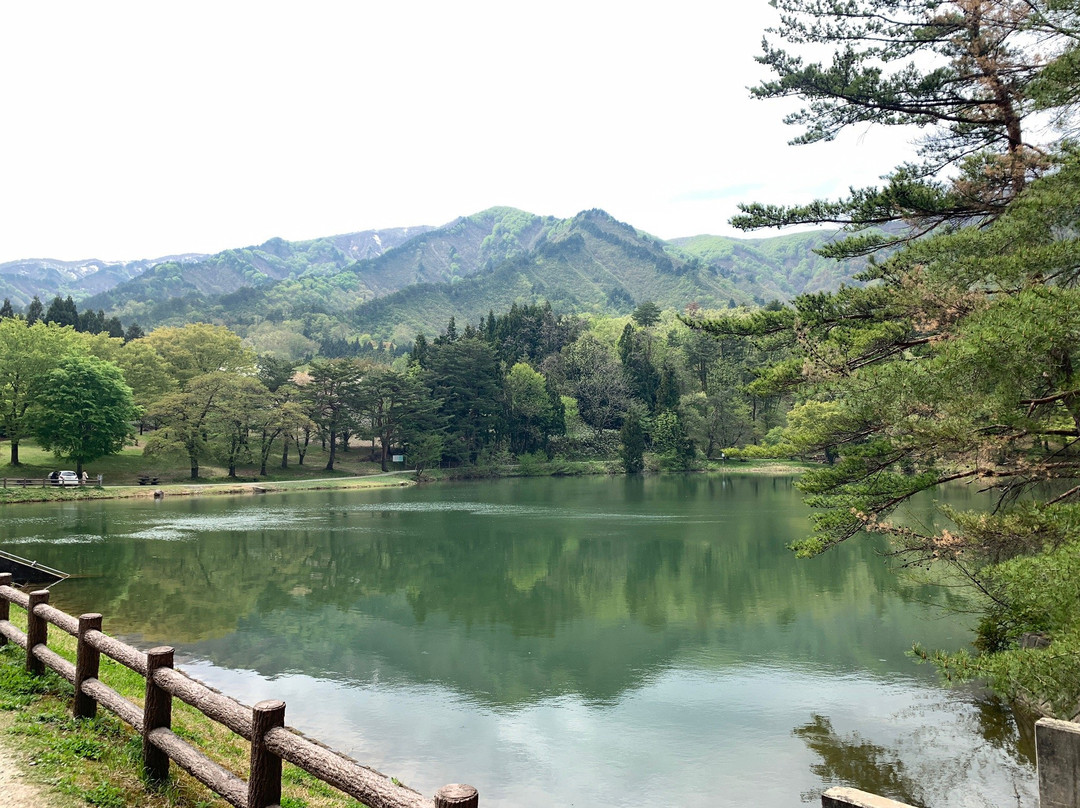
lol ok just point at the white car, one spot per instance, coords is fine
(68, 478)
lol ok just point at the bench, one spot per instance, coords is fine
(146, 479)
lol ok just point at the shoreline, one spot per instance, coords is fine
(389, 479)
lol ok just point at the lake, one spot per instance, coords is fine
(577, 642)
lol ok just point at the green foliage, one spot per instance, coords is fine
(465, 376)
(632, 445)
(28, 354)
(959, 360)
(532, 411)
(1029, 637)
(972, 98)
(85, 410)
(671, 441)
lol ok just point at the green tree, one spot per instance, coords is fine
(641, 374)
(183, 419)
(5, 310)
(274, 371)
(236, 412)
(594, 378)
(465, 376)
(632, 444)
(701, 352)
(198, 348)
(424, 450)
(647, 314)
(330, 390)
(28, 353)
(531, 413)
(35, 311)
(671, 441)
(85, 410)
(145, 371)
(63, 312)
(398, 408)
(961, 363)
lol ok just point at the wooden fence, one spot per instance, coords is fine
(46, 482)
(263, 725)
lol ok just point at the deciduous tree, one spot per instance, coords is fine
(85, 410)
(28, 353)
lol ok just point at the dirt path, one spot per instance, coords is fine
(15, 790)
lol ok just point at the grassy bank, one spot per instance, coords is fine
(353, 470)
(97, 762)
(121, 473)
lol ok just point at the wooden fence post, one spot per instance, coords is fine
(264, 781)
(87, 660)
(456, 795)
(1057, 750)
(5, 604)
(37, 631)
(157, 712)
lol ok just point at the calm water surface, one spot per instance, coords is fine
(574, 642)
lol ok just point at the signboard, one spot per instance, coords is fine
(398, 458)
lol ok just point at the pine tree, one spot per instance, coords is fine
(971, 99)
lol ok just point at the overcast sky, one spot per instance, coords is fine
(136, 130)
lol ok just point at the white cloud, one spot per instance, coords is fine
(139, 129)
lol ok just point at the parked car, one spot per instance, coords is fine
(68, 478)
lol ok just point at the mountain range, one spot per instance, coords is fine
(392, 284)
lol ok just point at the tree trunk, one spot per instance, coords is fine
(285, 453)
(194, 469)
(15, 453)
(333, 448)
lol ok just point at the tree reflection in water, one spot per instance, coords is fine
(903, 772)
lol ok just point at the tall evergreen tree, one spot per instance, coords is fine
(959, 70)
(34, 311)
(63, 312)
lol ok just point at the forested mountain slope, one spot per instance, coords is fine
(393, 284)
(47, 277)
(593, 263)
(233, 270)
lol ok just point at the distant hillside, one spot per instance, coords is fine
(393, 284)
(234, 270)
(782, 267)
(593, 263)
(46, 277)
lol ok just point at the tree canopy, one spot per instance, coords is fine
(89, 413)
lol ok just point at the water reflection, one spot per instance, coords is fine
(584, 624)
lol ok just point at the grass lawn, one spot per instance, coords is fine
(98, 761)
(121, 472)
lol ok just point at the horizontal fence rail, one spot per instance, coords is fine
(262, 725)
(49, 482)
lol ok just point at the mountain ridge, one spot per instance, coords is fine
(393, 283)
